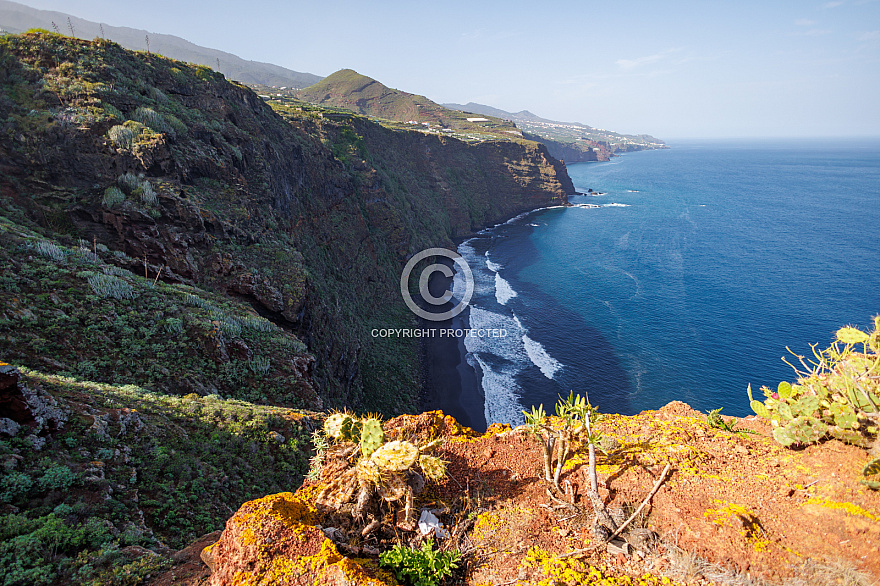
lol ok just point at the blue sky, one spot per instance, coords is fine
(671, 69)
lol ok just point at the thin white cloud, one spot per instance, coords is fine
(814, 32)
(869, 36)
(833, 4)
(633, 63)
(804, 22)
(629, 64)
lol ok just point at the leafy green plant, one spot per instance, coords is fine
(420, 567)
(148, 195)
(837, 393)
(110, 286)
(112, 196)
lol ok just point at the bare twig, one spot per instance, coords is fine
(644, 502)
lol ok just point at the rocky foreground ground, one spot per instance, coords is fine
(735, 508)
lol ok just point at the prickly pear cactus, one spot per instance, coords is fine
(395, 456)
(871, 474)
(835, 394)
(333, 425)
(368, 474)
(801, 430)
(433, 467)
(338, 492)
(350, 430)
(372, 436)
(393, 488)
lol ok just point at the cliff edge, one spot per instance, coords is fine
(734, 507)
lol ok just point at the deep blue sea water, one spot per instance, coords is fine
(703, 262)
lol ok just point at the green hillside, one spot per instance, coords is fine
(349, 90)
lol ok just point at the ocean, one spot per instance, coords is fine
(700, 265)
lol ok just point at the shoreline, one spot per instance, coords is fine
(451, 384)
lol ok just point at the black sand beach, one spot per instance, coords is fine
(451, 384)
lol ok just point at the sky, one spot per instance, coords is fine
(701, 69)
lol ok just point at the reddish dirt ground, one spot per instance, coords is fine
(734, 506)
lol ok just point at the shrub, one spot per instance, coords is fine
(14, 485)
(258, 324)
(110, 286)
(57, 477)
(128, 182)
(121, 136)
(228, 325)
(112, 111)
(148, 196)
(112, 196)
(173, 326)
(49, 250)
(260, 365)
(175, 123)
(292, 343)
(158, 95)
(28, 547)
(196, 301)
(154, 120)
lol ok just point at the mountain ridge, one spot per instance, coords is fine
(17, 18)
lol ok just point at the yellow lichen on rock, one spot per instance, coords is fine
(556, 571)
(850, 508)
(274, 540)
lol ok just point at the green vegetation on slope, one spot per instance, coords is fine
(65, 307)
(348, 90)
(133, 468)
(304, 218)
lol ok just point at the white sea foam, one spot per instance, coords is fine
(616, 205)
(501, 402)
(538, 355)
(503, 291)
(484, 282)
(534, 225)
(508, 357)
(632, 190)
(492, 266)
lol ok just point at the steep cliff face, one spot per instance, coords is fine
(580, 152)
(168, 170)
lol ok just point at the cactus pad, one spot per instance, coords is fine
(338, 492)
(433, 467)
(368, 474)
(395, 456)
(350, 430)
(393, 488)
(333, 425)
(372, 436)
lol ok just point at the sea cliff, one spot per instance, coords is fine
(172, 172)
